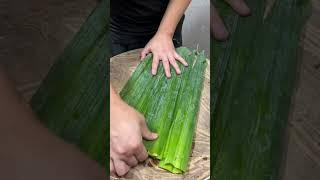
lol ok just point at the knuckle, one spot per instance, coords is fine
(121, 150)
(122, 171)
(134, 145)
(145, 156)
(155, 61)
(165, 60)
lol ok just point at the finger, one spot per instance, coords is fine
(132, 161)
(146, 133)
(121, 167)
(218, 28)
(239, 6)
(155, 64)
(112, 170)
(180, 59)
(144, 52)
(173, 62)
(141, 153)
(166, 66)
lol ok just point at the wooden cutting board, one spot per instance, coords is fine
(121, 68)
(34, 33)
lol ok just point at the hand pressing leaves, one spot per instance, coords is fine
(127, 130)
(162, 48)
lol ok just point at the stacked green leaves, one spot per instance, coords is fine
(254, 77)
(71, 100)
(170, 107)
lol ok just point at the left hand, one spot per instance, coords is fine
(162, 47)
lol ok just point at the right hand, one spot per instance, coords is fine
(127, 128)
(218, 28)
(162, 48)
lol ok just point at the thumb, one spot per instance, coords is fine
(146, 133)
(144, 52)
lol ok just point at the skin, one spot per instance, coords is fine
(218, 28)
(161, 44)
(127, 129)
(127, 126)
(29, 151)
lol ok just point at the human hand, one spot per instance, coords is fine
(162, 47)
(127, 128)
(218, 28)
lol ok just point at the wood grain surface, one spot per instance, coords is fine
(121, 68)
(302, 161)
(33, 33)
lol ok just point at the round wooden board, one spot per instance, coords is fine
(50, 26)
(121, 68)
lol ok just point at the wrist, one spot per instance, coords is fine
(165, 32)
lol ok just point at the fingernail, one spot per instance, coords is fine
(243, 9)
(246, 11)
(154, 135)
